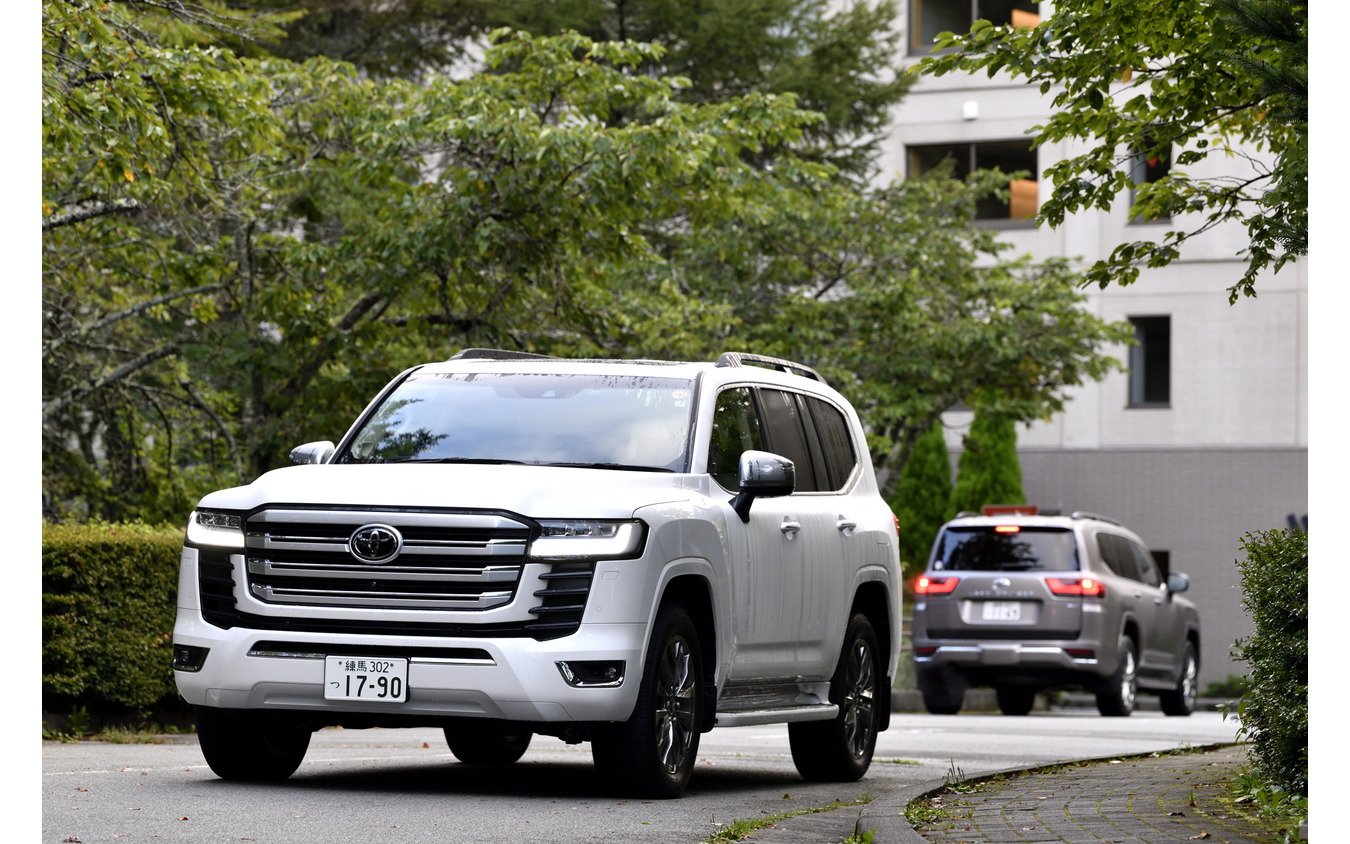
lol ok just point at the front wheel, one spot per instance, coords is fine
(841, 750)
(485, 744)
(1181, 700)
(652, 753)
(251, 744)
(1117, 695)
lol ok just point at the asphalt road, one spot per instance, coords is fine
(403, 785)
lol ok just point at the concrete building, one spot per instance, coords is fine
(1205, 438)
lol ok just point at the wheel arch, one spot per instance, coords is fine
(874, 601)
(692, 592)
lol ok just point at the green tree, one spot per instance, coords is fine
(838, 60)
(988, 471)
(921, 496)
(1189, 79)
(238, 252)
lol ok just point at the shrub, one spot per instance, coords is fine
(1274, 713)
(108, 601)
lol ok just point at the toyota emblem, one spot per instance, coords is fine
(1002, 583)
(375, 544)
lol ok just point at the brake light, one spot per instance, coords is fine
(1007, 529)
(1087, 587)
(926, 585)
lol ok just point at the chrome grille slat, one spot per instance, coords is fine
(394, 600)
(449, 560)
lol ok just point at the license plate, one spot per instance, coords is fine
(1002, 611)
(380, 679)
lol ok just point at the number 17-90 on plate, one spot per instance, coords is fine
(377, 679)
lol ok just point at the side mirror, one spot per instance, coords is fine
(1178, 582)
(316, 452)
(763, 475)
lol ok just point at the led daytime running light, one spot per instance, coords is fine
(570, 539)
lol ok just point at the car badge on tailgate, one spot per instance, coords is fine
(1002, 583)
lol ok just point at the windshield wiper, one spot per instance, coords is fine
(487, 460)
(624, 466)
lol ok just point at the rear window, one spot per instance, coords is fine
(1015, 548)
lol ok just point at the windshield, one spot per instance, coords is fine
(1013, 548)
(587, 420)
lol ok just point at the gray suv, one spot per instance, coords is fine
(1030, 603)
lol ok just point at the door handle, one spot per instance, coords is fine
(846, 526)
(790, 528)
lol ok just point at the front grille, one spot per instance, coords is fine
(449, 560)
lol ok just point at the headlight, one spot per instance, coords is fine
(212, 527)
(592, 539)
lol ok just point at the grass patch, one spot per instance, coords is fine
(742, 828)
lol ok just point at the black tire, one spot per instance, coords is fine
(1015, 700)
(652, 754)
(943, 690)
(840, 750)
(1116, 696)
(1181, 700)
(486, 743)
(251, 744)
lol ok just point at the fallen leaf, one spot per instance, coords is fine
(424, 744)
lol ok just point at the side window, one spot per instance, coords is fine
(1147, 568)
(835, 443)
(786, 436)
(1117, 555)
(735, 429)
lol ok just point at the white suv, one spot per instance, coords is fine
(622, 552)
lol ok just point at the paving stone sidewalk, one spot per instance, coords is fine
(1156, 799)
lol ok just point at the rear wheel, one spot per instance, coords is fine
(1015, 700)
(251, 744)
(487, 744)
(1181, 700)
(943, 690)
(652, 753)
(841, 750)
(1117, 695)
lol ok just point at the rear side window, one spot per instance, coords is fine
(1011, 548)
(835, 444)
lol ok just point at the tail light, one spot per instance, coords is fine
(1088, 587)
(926, 585)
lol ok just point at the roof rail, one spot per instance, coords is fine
(497, 354)
(742, 358)
(1083, 514)
(966, 514)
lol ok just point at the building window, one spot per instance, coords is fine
(1146, 167)
(929, 17)
(1151, 362)
(1007, 156)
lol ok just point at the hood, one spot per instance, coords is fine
(541, 492)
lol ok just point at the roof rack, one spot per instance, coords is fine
(743, 358)
(1083, 514)
(497, 354)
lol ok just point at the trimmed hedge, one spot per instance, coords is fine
(108, 601)
(1274, 713)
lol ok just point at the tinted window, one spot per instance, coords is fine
(786, 436)
(1116, 554)
(1017, 549)
(835, 444)
(1148, 570)
(550, 418)
(735, 430)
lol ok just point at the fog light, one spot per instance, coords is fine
(592, 673)
(189, 657)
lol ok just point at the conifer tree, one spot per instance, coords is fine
(921, 497)
(988, 471)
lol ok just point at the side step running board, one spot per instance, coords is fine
(777, 715)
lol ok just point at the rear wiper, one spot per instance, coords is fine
(624, 466)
